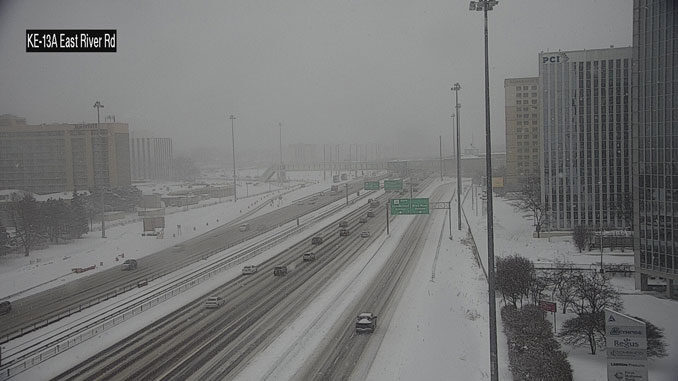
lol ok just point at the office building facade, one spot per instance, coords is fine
(523, 130)
(655, 141)
(586, 137)
(50, 158)
(151, 158)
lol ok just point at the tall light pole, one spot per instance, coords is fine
(454, 144)
(232, 118)
(98, 105)
(456, 89)
(488, 5)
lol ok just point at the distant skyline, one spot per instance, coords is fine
(329, 71)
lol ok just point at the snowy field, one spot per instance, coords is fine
(513, 235)
(21, 276)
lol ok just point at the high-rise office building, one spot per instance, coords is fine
(586, 135)
(523, 129)
(151, 157)
(655, 140)
(50, 158)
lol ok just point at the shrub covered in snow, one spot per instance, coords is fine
(534, 354)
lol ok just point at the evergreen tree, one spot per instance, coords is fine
(4, 240)
(77, 217)
(25, 216)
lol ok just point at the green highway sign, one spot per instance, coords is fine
(420, 206)
(371, 185)
(400, 206)
(393, 185)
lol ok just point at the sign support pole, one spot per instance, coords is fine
(388, 205)
(449, 215)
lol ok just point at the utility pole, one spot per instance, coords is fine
(486, 5)
(98, 106)
(346, 193)
(440, 141)
(324, 163)
(232, 118)
(449, 216)
(388, 205)
(456, 89)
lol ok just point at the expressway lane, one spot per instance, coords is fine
(33, 311)
(214, 344)
(338, 360)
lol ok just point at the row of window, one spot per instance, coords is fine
(533, 87)
(525, 95)
(527, 150)
(525, 102)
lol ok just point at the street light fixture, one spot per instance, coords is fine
(484, 6)
(232, 118)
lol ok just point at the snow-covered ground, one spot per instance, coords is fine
(109, 337)
(438, 330)
(513, 235)
(21, 276)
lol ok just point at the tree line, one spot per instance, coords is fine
(40, 223)
(586, 293)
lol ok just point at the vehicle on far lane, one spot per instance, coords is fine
(250, 269)
(214, 302)
(370, 213)
(317, 240)
(308, 256)
(366, 322)
(280, 270)
(5, 307)
(244, 227)
(130, 264)
(343, 224)
(365, 234)
(344, 232)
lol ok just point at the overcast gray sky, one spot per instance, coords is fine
(329, 70)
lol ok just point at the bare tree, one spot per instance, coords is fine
(25, 217)
(581, 237)
(594, 294)
(529, 200)
(563, 283)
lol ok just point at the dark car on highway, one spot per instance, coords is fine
(5, 307)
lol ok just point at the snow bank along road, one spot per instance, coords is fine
(43, 308)
(344, 348)
(195, 343)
